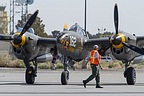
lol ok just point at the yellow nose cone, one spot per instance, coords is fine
(22, 42)
(122, 40)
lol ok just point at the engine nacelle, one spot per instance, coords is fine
(44, 58)
(138, 59)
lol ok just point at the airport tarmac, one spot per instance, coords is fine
(12, 83)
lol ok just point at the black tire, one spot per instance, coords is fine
(64, 77)
(131, 76)
(29, 76)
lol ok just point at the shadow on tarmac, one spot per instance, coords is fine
(58, 83)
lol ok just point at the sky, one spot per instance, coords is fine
(56, 13)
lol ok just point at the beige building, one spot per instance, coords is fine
(3, 20)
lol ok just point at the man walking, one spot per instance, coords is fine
(94, 62)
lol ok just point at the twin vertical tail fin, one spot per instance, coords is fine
(65, 28)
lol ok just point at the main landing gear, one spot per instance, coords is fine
(65, 73)
(31, 72)
(130, 74)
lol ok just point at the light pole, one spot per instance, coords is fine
(85, 16)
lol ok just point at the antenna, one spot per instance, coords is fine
(24, 4)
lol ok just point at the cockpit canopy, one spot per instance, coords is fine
(78, 29)
(30, 30)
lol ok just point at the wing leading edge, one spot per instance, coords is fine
(6, 38)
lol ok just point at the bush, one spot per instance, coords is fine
(43, 66)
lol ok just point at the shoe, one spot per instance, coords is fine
(98, 86)
(84, 83)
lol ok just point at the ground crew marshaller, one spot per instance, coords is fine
(94, 62)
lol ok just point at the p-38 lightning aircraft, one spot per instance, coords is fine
(124, 47)
(27, 47)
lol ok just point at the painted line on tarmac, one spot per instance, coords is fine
(72, 93)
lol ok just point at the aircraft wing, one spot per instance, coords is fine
(47, 42)
(103, 43)
(6, 38)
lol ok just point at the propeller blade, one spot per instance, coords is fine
(116, 18)
(29, 22)
(134, 48)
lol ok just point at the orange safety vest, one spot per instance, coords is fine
(93, 58)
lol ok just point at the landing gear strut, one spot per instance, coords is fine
(65, 73)
(31, 72)
(130, 74)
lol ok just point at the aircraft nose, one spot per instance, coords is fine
(64, 39)
(62, 36)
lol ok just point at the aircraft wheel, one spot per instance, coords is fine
(29, 76)
(64, 77)
(130, 76)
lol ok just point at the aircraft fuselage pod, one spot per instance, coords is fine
(70, 44)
